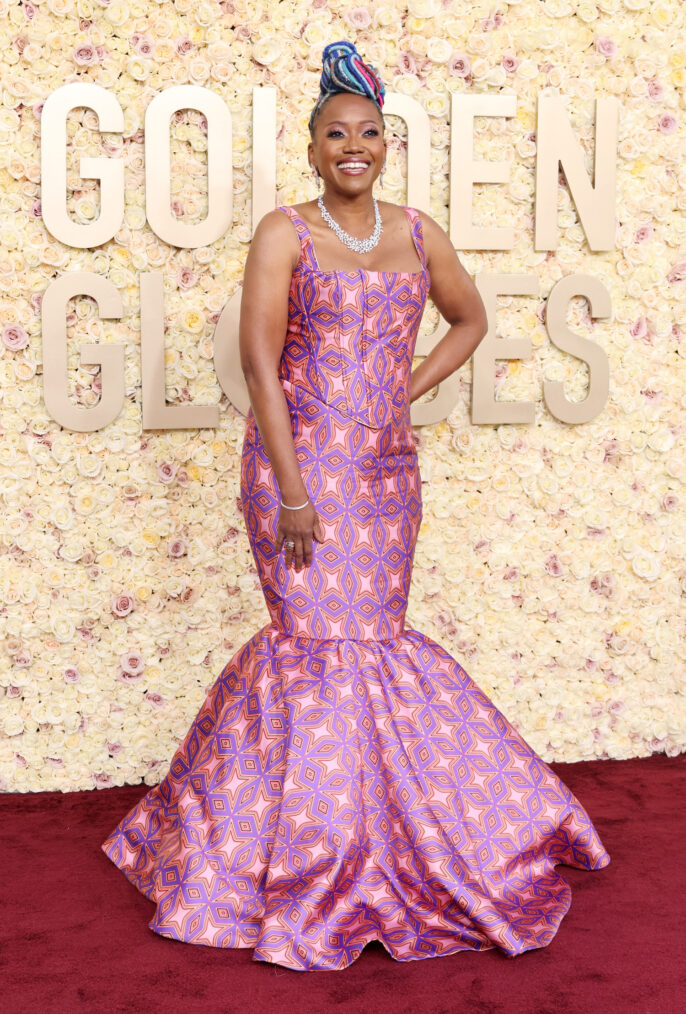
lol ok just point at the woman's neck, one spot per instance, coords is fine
(356, 210)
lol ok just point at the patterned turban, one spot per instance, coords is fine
(344, 70)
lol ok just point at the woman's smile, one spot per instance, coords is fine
(353, 167)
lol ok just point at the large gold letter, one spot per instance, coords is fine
(55, 361)
(157, 414)
(557, 145)
(485, 408)
(588, 351)
(158, 166)
(418, 148)
(109, 171)
(465, 171)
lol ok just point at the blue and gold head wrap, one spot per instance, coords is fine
(344, 70)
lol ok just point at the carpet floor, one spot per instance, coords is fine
(74, 934)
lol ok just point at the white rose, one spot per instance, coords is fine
(266, 51)
(438, 50)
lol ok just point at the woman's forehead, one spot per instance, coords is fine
(345, 107)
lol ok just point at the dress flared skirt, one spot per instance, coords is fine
(334, 792)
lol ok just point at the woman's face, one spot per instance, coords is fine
(348, 146)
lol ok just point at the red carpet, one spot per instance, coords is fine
(75, 937)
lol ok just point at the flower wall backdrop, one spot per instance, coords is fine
(551, 557)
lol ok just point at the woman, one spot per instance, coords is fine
(345, 780)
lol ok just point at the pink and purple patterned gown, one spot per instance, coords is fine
(345, 780)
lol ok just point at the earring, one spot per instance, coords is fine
(381, 174)
(317, 177)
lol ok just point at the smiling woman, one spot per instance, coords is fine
(346, 780)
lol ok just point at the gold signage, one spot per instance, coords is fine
(557, 147)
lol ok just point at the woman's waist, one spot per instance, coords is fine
(328, 424)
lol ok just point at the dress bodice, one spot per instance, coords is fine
(351, 334)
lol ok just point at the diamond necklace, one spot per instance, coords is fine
(358, 245)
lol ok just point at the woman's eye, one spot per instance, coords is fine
(370, 130)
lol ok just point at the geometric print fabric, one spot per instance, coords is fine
(345, 780)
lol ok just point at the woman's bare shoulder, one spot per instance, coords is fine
(276, 236)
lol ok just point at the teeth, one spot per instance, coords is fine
(352, 165)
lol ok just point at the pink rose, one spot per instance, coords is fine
(667, 123)
(143, 44)
(184, 45)
(406, 63)
(101, 779)
(132, 663)
(459, 65)
(553, 566)
(639, 328)
(670, 501)
(71, 674)
(677, 273)
(359, 17)
(166, 472)
(155, 699)
(186, 278)
(126, 677)
(178, 548)
(14, 337)
(656, 90)
(495, 21)
(29, 10)
(509, 63)
(606, 46)
(85, 54)
(643, 233)
(122, 604)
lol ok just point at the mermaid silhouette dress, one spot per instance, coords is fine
(345, 780)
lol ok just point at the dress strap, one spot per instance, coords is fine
(306, 244)
(417, 234)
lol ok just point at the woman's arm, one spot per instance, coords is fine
(458, 300)
(273, 253)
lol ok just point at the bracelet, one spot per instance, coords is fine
(295, 508)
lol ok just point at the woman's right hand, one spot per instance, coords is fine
(299, 527)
